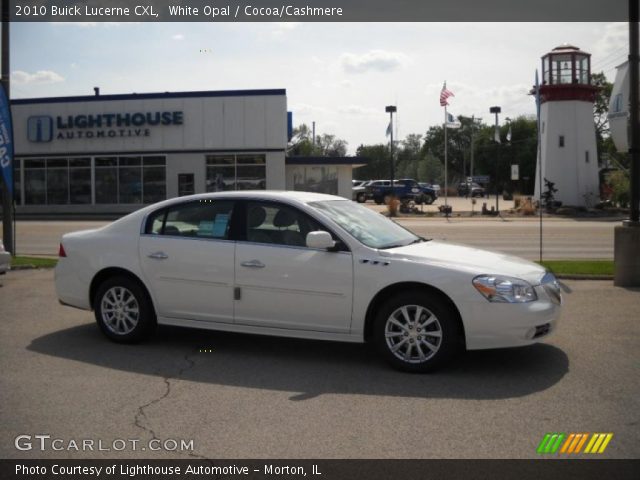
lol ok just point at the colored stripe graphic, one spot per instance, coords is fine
(598, 442)
(550, 443)
(572, 443)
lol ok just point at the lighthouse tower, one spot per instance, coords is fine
(567, 128)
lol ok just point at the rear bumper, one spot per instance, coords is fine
(72, 291)
(5, 262)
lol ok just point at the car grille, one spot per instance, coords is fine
(542, 330)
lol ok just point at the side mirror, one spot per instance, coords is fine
(320, 240)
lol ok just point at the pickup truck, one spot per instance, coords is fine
(405, 189)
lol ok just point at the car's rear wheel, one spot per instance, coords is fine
(417, 332)
(123, 310)
(428, 199)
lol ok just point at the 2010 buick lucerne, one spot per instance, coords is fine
(303, 265)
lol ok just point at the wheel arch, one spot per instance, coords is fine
(403, 287)
(109, 272)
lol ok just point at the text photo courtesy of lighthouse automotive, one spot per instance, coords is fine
(212, 284)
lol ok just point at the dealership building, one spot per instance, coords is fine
(112, 154)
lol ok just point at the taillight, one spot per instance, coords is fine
(61, 252)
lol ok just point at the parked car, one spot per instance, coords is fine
(358, 189)
(305, 265)
(470, 190)
(434, 186)
(5, 259)
(404, 189)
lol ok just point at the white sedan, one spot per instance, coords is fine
(302, 265)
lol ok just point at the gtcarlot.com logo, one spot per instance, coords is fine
(44, 442)
(574, 443)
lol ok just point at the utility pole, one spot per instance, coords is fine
(391, 109)
(627, 236)
(473, 139)
(7, 197)
(496, 111)
(313, 135)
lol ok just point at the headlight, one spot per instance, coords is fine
(501, 289)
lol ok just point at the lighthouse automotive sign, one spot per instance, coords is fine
(43, 128)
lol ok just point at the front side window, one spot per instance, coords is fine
(366, 226)
(202, 219)
(278, 224)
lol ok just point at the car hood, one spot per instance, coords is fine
(470, 259)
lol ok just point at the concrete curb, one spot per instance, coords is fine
(28, 267)
(581, 276)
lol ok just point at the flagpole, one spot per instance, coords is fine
(539, 152)
(446, 179)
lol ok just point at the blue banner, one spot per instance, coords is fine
(6, 141)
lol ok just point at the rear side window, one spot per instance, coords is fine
(202, 219)
(278, 224)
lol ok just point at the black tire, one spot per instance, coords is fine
(123, 324)
(442, 320)
(361, 198)
(379, 201)
(428, 199)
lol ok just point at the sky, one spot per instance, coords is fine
(340, 75)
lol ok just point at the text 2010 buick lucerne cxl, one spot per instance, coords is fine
(302, 265)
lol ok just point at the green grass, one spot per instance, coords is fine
(579, 267)
(560, 267)
(39, 262)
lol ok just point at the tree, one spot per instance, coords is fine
(378, 165)
(331, 146)
(408, 156)
(326, 145)
(601, 104)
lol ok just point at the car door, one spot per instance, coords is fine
(188, 260)
(283, 283)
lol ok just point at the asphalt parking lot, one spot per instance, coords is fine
(257, 397)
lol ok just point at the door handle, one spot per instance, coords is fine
(158, 256)
(253, 264)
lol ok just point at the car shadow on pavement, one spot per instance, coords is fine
(308, 368)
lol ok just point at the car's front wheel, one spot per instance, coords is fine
(361, 198)
(417, 332)
(123, 310)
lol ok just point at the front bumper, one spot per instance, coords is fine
(500, 325)
(5, 262)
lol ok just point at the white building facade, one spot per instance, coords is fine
(113, 154)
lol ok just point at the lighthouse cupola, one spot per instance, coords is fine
(566, 75)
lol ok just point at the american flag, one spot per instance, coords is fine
(444, 94)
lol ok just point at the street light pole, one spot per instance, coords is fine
(496, 111)
(391, 109)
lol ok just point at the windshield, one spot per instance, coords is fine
(367, 226)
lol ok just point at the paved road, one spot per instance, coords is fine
(562, 239)
(257, 397)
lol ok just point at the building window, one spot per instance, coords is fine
(79, 180)
(57, 181)
(312, 178)
(35, 175)
(586, 156)
(17, 175)
(235, 172)
(561, 141)
(130, 180)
